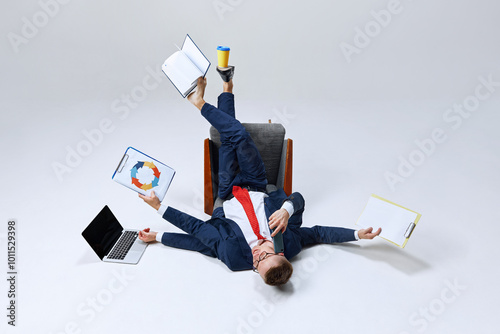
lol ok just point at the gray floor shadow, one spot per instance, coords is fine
(88, 257)
(272, 294)
(397, 258)
(215, 261)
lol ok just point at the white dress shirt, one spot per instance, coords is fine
(234, 211)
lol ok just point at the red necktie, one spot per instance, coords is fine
(243, 197)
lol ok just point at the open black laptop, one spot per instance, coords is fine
(111, 242)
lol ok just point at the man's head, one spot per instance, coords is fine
(274, 268)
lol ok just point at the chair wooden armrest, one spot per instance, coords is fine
(208, 191)
(287, 184)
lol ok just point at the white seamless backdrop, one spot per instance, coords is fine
(393, 97)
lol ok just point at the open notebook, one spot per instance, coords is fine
(397, 222)
(185, 66)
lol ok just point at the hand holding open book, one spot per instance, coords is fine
(185, 66)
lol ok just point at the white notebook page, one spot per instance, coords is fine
(181, 71)
(192, 51)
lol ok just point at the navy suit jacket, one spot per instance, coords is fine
(222, 238)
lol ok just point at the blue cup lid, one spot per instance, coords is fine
(223, 48)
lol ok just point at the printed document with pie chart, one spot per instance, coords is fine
(143, 174)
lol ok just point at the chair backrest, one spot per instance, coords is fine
(268, 138)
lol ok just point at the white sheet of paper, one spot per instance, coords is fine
(393, 219)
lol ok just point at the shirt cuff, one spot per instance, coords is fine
(356, 235)
(288, 206)
(162, 209)
(159, 235)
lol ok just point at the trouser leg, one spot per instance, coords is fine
(225, 102)
(237, 148)
(228, 163)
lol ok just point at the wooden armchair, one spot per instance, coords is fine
(276, 152)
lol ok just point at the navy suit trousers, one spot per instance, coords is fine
(237, 149)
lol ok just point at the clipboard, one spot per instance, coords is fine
(396, 221)
(143, 174)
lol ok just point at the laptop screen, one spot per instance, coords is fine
(103, 232)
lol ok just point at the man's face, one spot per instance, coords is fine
(270, 261)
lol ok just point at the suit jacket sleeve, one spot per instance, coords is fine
(325, 235)
(207, 234)
(295, 221)
(297, 201)
(316, 234)
(186, 241)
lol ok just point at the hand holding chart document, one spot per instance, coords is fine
(143, 174)
(397, 222)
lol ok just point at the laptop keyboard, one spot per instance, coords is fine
(123, 245)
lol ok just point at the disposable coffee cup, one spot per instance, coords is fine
(223, 56)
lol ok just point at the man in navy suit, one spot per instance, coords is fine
(239, 232)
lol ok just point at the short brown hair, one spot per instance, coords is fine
(280, 274)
